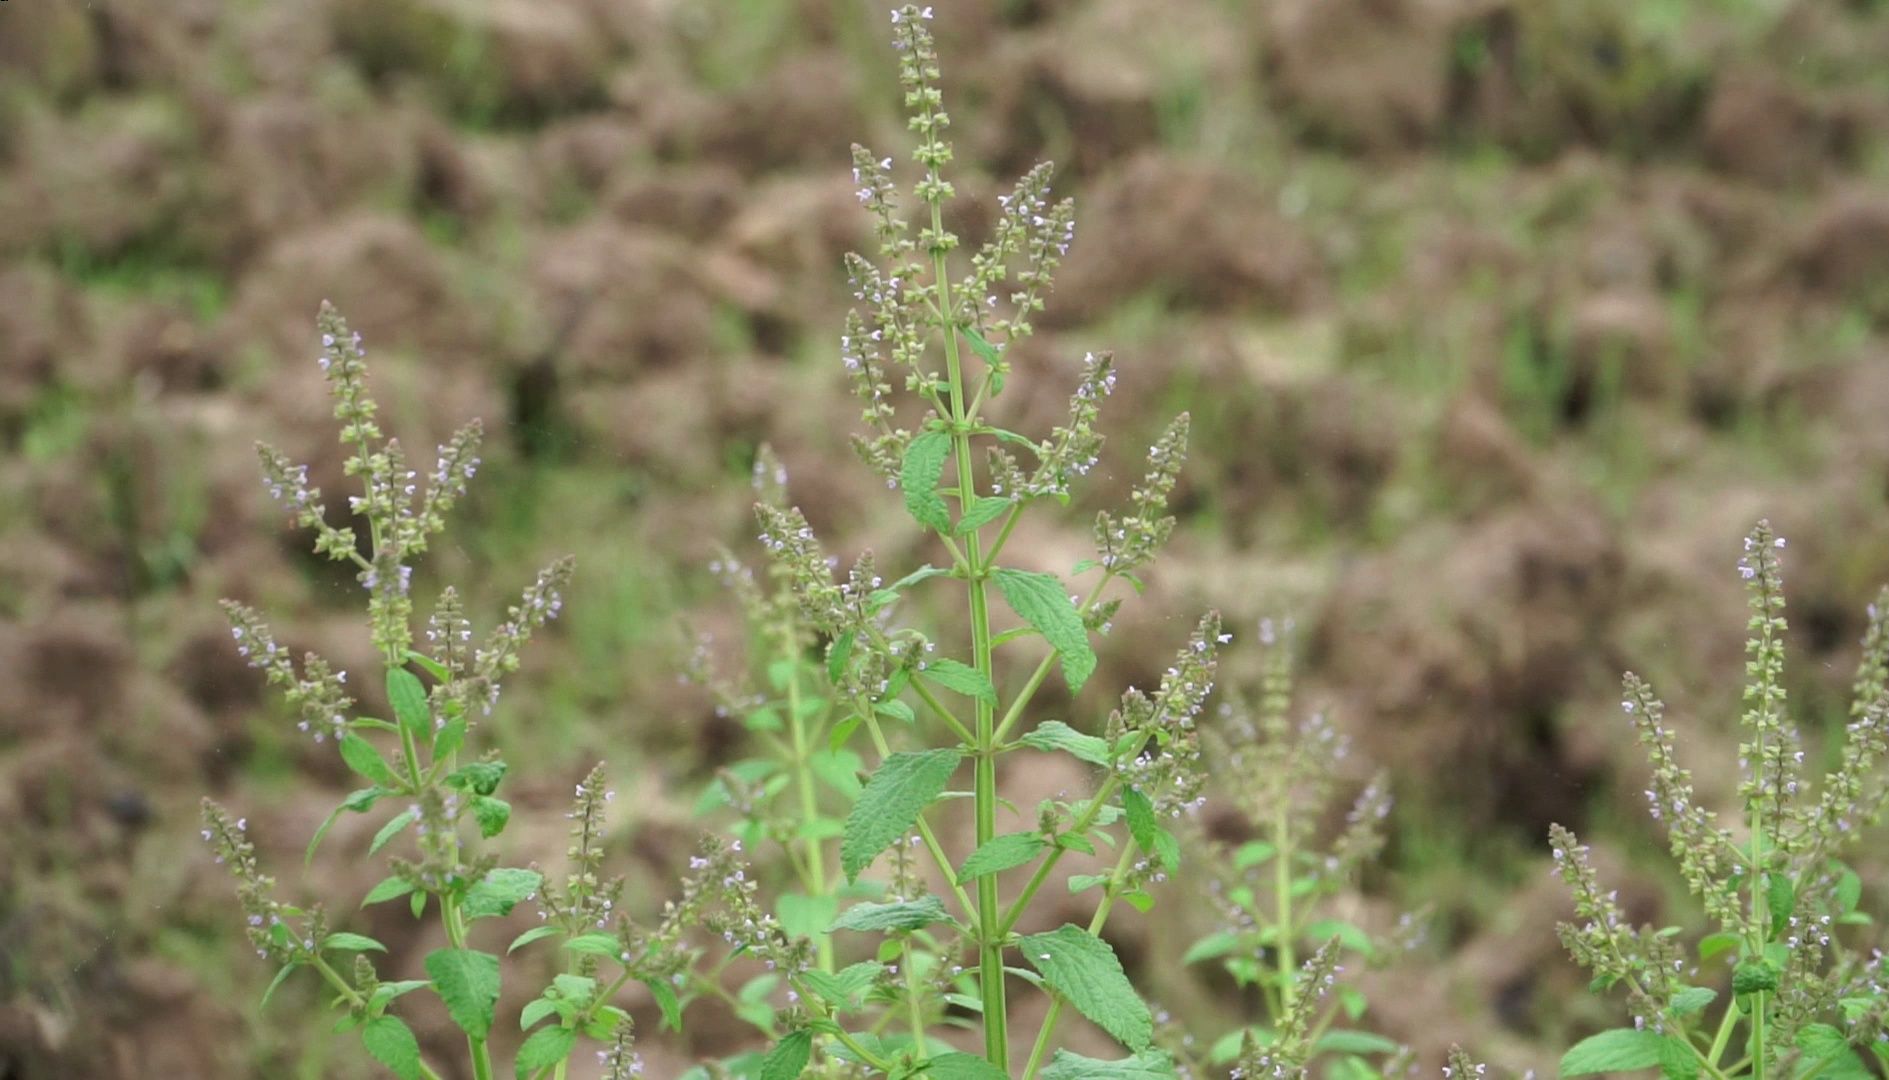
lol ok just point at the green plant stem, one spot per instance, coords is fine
(912, 1005)
(1096, 923)
(1282, 899)
(991, 979)
(815, 858)
(1760, 909)
(1726, 1025)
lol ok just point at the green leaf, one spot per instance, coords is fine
(904, 785)
(1713, 944)
(837, 654)
(1754, 976)
(1349, 935)
(1056, 735)
(596, 943)
(280, 978)
(1619, 1050)
(391, 889)
(986, 509)
(545, 1048)
(535, 1010)
(1849, 887)
(919, 475)
(961, 677)
(364, 759)
(491, 814)
(666, 1001)
(984, 349)
(839, 990)
(806, 916)
(468, 982)
(480, 777)
(499, 890)
(1825, 1046)
(789, 1057)
(452, 736)
(1147, 1065)
(962, 1066)
(1141, 820)
(417, 902)
(904, 915)
(1691, 1000)
(1781, 899)
(429, 665)
(1040, 600)
(388, 991)
(345, 942)
(391, 1042)
(408, 696)
(390, 830)
(359, 802)
(1342, 1041)
(536, 933)
(1214, 945)
(1083, 969)
(1001, 853)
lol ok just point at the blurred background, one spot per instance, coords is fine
(1500, 322)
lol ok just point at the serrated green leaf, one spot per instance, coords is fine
(536, 933)
(904, 915)
(596, 943)
(1056, 735)
(1781, 899)
(1713, 944)
(666, 1002)
(919, 475)
(986, 509)
(499, 891)
(1001, 853)
(961, 678)
(491, 814)
(1084, 970)
(837, 653)
(535, 1010)
(417, 902)
(1147, 1065)
(1849, 890)
(983, 348)
(408, 696)
(545, 1048)
(1040, 600)
(1691, 1000)
(479, 777)
(468, 982)
(390, 830)
(391, 1042)
(280, 977)
(1618, 1050)
(392, 888)
(789, 1057)
(364, 759)
(961, 1066)
(1829, 1054)
(358, 802)
(346, 942)
(840, 989)
(904, 785)
(1141, 820)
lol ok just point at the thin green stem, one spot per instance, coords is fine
(814, 856)
(930, 838)
(1726, 1025)
(1096, 923)
(1282, 906)
(913, 1006)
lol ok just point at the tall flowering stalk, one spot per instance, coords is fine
(1801, 1001)
(442, 795)
(933, 328)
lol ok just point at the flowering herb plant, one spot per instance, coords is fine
(1801, 1001)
